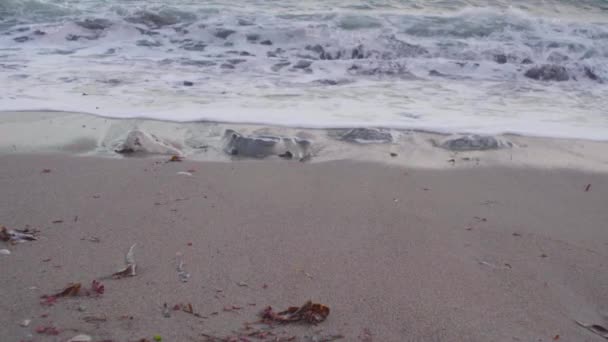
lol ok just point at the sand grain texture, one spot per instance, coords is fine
(480, 254)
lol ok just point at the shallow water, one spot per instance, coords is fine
(435, 65)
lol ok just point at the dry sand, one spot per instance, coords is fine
(477, 254)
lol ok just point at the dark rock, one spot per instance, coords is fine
(592, 75)
(39, 33)
(237, 60)
(557, 57)
(144, 143)
(152, 19)
(252, 37)
(188, 83)
(280, 66)
(527, 61)
(316, 48)
(224, 33)
(76, 37)
(302, 64)
(194, 46)
(266, 42)
(286, 155)
(500, 59)
(548, 72)
(261, 146)
(227, 66)
(22, 39)
(367, 136)
(393, 154)
(473, 143)
(330, 82)
(357, 53)
(436, 73)
(245, 22)
(148, 43)
(198, 63)
(245, 53)
(22, 29)
(95, 24)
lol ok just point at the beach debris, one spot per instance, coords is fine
(323, 338)
(94, 239)
(556, 337)
(242, 284)
(57, 221)
(97, 287)
(588, 187)
(594, 328)
(187, 308)
(47, 330)
(94, 319)
(25, 323)
(230, 308)
(365, 335)
(165, 311)
(182, 274)
(17, 235)
(82, 308)
(158, 338)
(176, 158)
(311, 313)
(71, 290)
(130, 265)
(5, 252)
(46, 170)
(184, 173)
(393, 154)
(81, 338)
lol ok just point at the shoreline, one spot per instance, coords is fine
(90, 135)
(479, 254)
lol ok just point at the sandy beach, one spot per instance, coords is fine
(397, 253)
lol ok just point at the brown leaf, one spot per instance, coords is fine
(311, 313)
(176, 158)
(71, 290)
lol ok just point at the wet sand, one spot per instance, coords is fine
(397, 253)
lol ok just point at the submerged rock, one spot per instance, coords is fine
(95, 24)
(367, 136)
(224, 33)
(474, 142)
(302, 64)
(261, 146)
(549, 72)
(153, 19)
(22, 39)
(144, 143)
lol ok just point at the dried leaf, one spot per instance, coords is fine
(72, 290)
(176, 158)
(47, 330)
(97, 287)
(312, 313)
(588, 187)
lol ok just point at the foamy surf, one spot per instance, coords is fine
(471, 66)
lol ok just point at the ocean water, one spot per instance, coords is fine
(527, 66)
